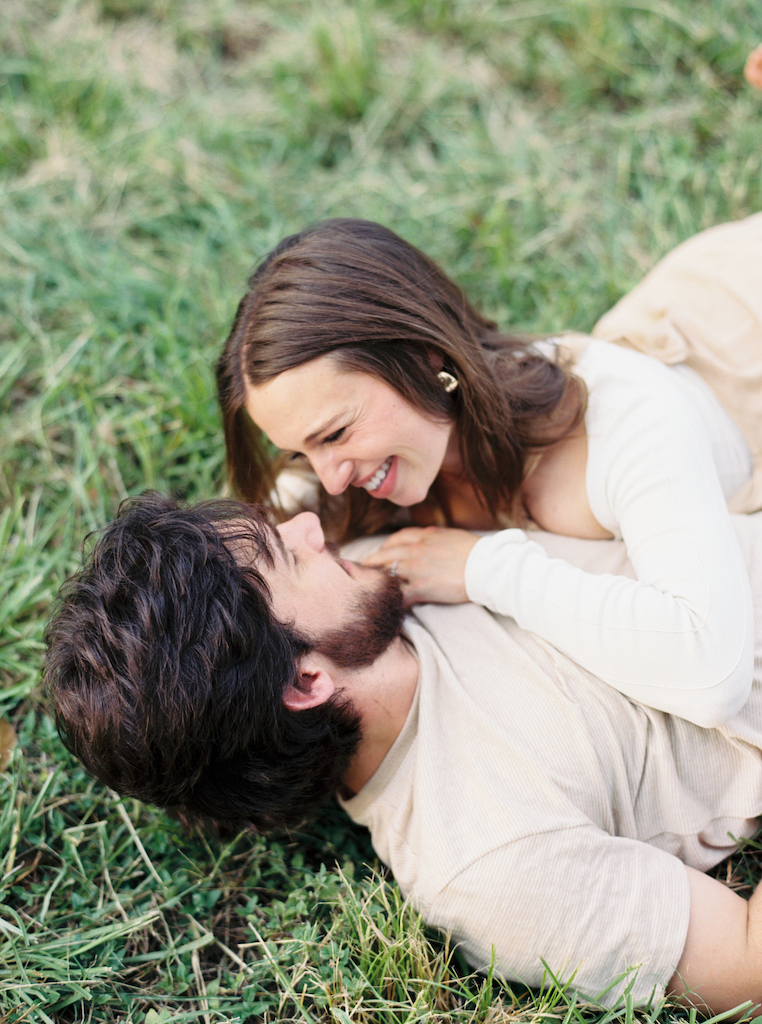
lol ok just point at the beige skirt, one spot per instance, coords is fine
(702, 305)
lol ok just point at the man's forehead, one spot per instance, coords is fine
(251, 540)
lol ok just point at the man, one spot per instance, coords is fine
(205, 660)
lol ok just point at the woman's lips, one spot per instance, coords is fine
(378, 478)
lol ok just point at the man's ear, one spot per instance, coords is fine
(315, 685)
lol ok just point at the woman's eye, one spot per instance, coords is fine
(295, 456)
(334, 436)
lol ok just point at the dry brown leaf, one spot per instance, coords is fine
(7, 742)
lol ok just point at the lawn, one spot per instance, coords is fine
(546, 153)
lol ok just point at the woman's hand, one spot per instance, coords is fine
(430, 562)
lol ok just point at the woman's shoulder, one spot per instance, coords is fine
(593, 359)
(602, 359)
(620, 382)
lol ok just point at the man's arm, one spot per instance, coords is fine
(721, 965)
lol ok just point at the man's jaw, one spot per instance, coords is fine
(374, 626)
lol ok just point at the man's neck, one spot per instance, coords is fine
(382, 694)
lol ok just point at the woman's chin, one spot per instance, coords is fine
(399, 489)
(402, 502)
(407, 499)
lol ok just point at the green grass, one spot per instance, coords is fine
(150, 152)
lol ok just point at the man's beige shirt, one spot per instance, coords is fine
(540, 816)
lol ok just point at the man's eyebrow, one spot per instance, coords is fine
(279, 544)
(325, 428)
(286, 553)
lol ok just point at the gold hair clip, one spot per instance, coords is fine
(448, 382)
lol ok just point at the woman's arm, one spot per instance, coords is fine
(679, 637)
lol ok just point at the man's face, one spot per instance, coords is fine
(349, 612)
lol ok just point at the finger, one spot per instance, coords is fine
(385, 556)
(409, 535)
(382, 559)
(409, 595)
(426, 547)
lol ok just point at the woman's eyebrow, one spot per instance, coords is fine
(325, 428)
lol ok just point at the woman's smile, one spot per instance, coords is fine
(379, 478)
(354, 428)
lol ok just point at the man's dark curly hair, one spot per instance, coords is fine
(167, 671)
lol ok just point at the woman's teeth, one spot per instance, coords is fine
(378, 477)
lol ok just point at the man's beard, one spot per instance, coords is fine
(377, 622)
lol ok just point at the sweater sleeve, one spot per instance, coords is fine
(679, 637)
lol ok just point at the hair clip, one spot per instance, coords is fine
(448, 382)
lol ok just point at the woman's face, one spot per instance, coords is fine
(355, 430)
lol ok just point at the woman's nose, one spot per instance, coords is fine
(335, 474)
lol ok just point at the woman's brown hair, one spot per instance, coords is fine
(356, 290)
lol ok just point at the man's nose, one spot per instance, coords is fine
(303, 530)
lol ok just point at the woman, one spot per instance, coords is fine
(353, 351)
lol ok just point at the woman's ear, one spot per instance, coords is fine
(315, 686)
